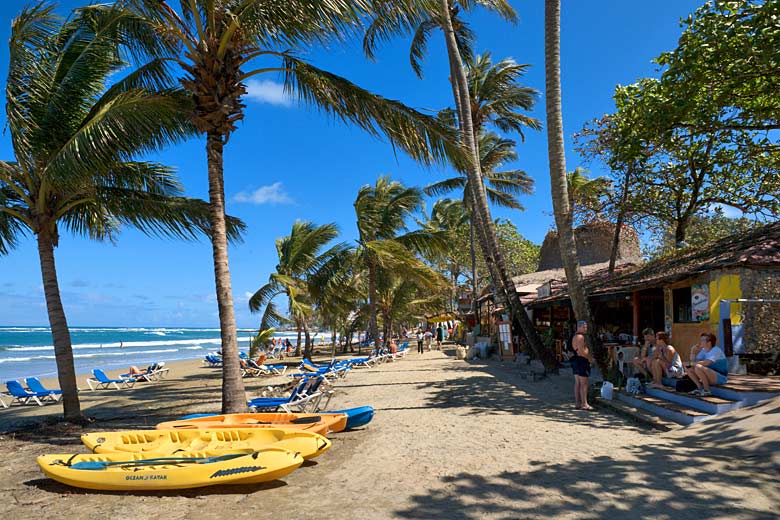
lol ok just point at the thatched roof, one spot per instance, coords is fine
(757, 248)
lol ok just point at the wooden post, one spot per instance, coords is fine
(635, 303)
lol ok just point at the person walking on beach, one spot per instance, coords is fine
(439, 336)
(428, 339)
(420, 338)
(580, 365)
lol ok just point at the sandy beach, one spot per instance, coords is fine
(450, 439)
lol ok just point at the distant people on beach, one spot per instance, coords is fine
(439, 336)
(580, 365)
(708, 365)
(428, 339)
(420, 339)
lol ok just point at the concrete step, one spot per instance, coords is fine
(679, 413)
(711, 405)
(637, 414)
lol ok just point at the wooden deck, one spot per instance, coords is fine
(751, 383)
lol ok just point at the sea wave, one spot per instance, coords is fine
(86, 356)
(159, 343)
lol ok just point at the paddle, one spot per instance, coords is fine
(98, 465)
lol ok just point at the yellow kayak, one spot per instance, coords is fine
(321, 423)
(128, 471)
(170, 442)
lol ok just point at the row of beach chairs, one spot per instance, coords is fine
(314, 383)
(35, 393)
(100, 381)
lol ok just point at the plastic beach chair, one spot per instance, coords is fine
(101, 380)
(23, 396)
(153, 372)
(303, 398)
(34, 384)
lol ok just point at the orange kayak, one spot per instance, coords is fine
(320, 423)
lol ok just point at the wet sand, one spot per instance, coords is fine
(450, 440)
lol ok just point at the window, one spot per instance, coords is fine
(681, 300)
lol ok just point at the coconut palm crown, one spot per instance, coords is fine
(75, 142)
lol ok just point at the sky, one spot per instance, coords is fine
(288, 162)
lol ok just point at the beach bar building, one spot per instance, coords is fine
(730, 288)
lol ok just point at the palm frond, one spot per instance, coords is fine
(446, 186)
(421, 136)
(264, 295)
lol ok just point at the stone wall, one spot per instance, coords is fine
(761, 321)
(594, 244)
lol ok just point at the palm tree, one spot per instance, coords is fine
(558, 178)
(502, 187)
(586, 194)
(400, 299)
(217, 43)
(384, 242)
(302, 256)
(74, 139)
(261, 340)
(421, 16)
(448, 217)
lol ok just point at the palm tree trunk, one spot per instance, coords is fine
(494, 258)
(233, 396)
(474, 283)
(556, 154)
(63, 352)
(298, 344)
(307, 336)
(373, 325)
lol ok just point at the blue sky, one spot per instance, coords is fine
(288, 162)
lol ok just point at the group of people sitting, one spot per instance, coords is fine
(658, 359)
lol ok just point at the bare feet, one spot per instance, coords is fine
(587, 407)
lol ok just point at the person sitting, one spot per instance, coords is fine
(393, 346)
(708, 365)
(666, 360)
(642, 361)
(135, 371)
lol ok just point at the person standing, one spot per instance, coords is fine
(420, 338)
(580, 364)
(428, 339)
(439, 336)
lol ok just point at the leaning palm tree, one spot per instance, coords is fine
(302, 255)
(501, 186)
(384, 241)
(74, 139)
(421, 16)
(220, 44)
(557, 157)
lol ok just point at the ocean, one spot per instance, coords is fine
(28, 351)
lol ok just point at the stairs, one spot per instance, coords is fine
(661, 406)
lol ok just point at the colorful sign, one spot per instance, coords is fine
(700, 302)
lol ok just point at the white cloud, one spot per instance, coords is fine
(271, 194)
(266, 91)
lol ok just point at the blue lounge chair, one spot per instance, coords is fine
(23, 396)
(101, 380)
(304, 397)
(34, 384)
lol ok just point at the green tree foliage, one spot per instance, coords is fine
(703, 230)
(701, 135)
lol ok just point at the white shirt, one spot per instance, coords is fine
(714, 354)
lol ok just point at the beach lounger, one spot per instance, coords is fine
(153, 372)
(304, 398)
(36, 386)
(2, 400)
(23, 396)
(101, 380)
